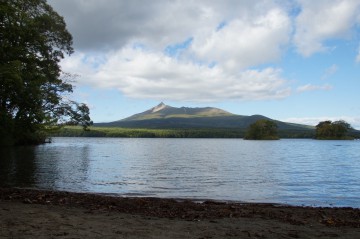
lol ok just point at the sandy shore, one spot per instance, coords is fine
(28, 213)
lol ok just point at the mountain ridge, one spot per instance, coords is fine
(163, 116)
(162, 111)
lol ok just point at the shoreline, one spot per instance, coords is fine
(137, 205)
(22, 191)
(67, 213)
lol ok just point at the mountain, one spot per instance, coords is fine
(164, 116)
(163, 111)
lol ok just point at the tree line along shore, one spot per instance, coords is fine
(77, 131)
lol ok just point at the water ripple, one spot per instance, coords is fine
(300, 172)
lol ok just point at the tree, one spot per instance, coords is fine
(332, 130)
(262, 129)
(33, 89)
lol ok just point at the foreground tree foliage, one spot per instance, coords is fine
(262, 130)
(33, 90)
(333, 130)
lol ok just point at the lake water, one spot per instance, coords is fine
(291, 171)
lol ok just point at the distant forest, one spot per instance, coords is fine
(74, 131)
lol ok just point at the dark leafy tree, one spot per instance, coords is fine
(332, 130)
(262, 129)
(33, 89)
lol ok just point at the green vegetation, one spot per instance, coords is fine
(76, 131)
(32, 87)
(333, 130)
(118, 132)
(142, 132)
(262, 130)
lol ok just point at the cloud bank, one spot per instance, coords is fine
(199, 50)
(322, 20)
(310, 87)
(353, 121)
(140, 74)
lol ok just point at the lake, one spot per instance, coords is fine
(291, 171)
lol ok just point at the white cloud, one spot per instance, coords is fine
(138, 73)
(330, 71)
(321, 20)
(357, 59)
(110, 24)
(311, 87)
(243, 43)
(252, 33)
(353, 121)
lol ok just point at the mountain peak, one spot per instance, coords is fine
(163, 111)
(159, 107)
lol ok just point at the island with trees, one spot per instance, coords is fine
(262, 130)
(337, 130)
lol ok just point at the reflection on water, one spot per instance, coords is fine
(17, 166)
(298, 172)
(62, 166)
(59, 166)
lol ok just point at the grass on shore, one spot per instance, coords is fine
(117, 132)
(76, 131)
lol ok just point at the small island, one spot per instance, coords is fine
(337, 130)
(262, 130)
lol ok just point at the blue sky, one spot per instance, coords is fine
(297, 61)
